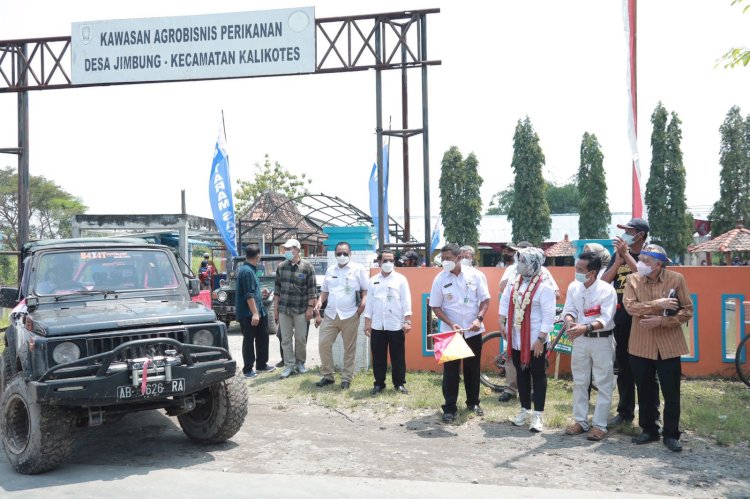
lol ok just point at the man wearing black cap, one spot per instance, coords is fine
(627, 248)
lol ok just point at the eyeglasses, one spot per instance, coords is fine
(342, 253)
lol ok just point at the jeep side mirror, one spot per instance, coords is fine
(194, 286)
(8, 297)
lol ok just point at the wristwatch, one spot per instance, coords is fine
(480, 318)
(590, 328)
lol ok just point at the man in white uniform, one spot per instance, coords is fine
(590, 305)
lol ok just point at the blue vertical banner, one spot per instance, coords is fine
(220, 193)
(374, 194)
(435, 239)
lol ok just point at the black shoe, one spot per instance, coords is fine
(323, 382)
(477, 409)
(672, 444)
(280, 363)
(449, 417)
(402, 389)
(644, 438)
(376, 389)
(505, 397)
(618, 420)
(345, 385)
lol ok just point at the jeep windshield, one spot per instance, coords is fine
(109, 271)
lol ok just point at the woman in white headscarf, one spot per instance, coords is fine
(603, 254)
(528, 304)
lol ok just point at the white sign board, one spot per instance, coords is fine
(272, 42)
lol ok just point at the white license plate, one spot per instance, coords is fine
(153, 389)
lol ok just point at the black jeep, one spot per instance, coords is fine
(101, 328)
(222, 298)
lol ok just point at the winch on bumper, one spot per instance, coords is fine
(101, 381)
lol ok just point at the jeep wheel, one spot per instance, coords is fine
(219, 413)
(36, 437)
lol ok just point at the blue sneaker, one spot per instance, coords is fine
(251, 374)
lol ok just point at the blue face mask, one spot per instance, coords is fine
(581, 277)
(628, 238)
(288, 255)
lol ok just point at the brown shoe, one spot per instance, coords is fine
(574, 429)
(596, 435)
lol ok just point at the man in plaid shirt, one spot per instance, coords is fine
(295, 294)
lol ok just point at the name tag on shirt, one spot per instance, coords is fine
(590, 312)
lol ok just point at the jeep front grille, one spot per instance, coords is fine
(103, 344)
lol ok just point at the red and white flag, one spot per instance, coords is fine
(629, 19)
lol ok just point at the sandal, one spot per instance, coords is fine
(596, 435)
(574, 429)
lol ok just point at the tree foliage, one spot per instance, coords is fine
(560, 198)
(51, 208)
(593, 222)
(460, 199)
(736, 55)
(733, 205)
(671, 223)
(272, 177)
(529, 212)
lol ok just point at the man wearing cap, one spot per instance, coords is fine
(659, 302)
(511, 388)
(342, 285)
(627, 248)
(295, 293)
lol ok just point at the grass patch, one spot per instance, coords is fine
(716, 409)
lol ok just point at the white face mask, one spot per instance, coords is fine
(449, 265)
(628, 238)
(644, 269)
(343, 260)
(467, 262)
(387, 267)
(521, 268)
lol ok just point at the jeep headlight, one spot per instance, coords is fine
(221, 296)
(203, 337)
(232, 274)
(66, 352)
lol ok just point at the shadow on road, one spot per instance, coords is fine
(141, 441)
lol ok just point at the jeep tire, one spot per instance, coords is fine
(36, 437)
(219, 413)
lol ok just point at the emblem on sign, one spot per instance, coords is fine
(86, 34)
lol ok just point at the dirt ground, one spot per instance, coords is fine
(289, 436)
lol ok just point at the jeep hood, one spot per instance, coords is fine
(122, 314)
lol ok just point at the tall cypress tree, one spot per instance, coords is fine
(529, 212)
(671, 223)
(460, 199)
(733, 205)
(594, 215)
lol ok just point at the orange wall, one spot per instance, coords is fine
(708, 284)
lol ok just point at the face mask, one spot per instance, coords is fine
(522, 268)
(449, 265)
(467, 262)
(643, 269)
(581, 277)
(387, 267)
(628, 238)
(343, 260)
(288, 255)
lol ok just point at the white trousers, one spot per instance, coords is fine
(593, 355)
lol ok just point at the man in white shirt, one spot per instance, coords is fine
(341, 286)
(387, 321)
(589, 311)
(528, 304)
(511, 388)
(460, 298)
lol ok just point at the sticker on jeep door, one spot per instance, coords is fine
(152, 389)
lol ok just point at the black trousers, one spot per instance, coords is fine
(254, 344)
(452, 375)
(382, 343)
(625, 379)
(535, 375)
(669, 372)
